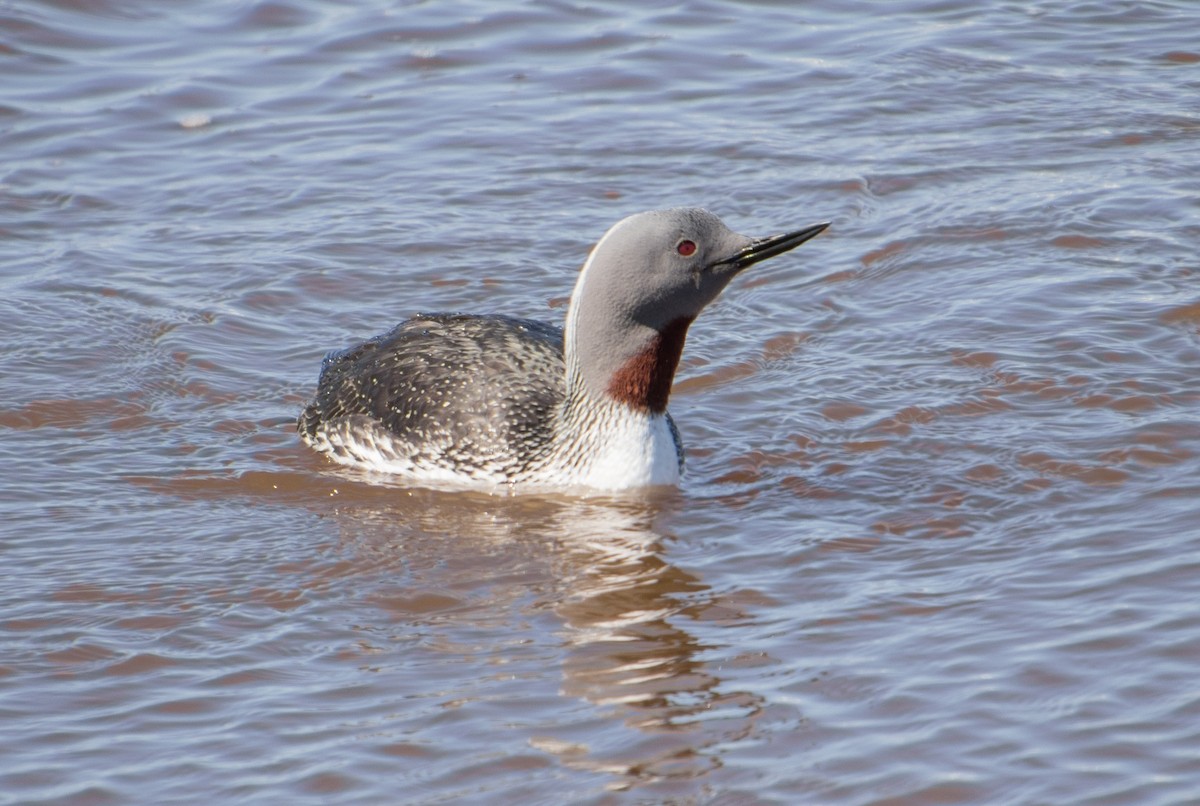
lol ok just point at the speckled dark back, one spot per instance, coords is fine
(483, 384)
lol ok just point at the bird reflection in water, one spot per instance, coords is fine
(623, 643)
(629, 653)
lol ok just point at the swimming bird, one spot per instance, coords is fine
(500, 401)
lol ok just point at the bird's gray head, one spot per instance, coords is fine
(644, 283)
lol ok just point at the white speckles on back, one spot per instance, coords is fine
(363, 443)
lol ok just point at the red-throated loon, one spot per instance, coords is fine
(497, 401)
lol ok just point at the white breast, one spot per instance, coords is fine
(635, 450)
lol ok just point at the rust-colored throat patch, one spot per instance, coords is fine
(644, 381)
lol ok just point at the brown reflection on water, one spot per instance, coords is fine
(459, 565)
(629, 654)
(114, 413)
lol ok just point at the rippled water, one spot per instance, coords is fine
(939, 541)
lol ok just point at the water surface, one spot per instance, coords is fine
(938, 539)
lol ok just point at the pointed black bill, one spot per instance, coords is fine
(773, 245)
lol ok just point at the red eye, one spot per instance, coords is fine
(686, 248)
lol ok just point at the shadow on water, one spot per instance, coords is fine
(586, 581)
